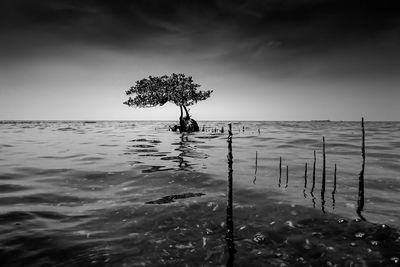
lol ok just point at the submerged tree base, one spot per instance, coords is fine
(186, 125)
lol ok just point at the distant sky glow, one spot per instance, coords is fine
(265, 60)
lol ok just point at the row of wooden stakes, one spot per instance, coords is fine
(360, 200)
(229, 237)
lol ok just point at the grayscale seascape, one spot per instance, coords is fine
(122, 193)
(199, 133)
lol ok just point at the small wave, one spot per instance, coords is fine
(153, 155)
(385, 201)
(173, 158)
(376, 147)
(195, 155)
(208, 137)
(247, 137)
(91, 158)
(145, 150)
(107, 145)
(263, 139)
(10, 176)
(63, 157)
(15, 216)
(138, 140)
(142, 146)
(135, 162)
(9, 188)
(391, 164)
(343, 145)
(384, 185)
(285, 146)
(63, 129)
(205, 146)
(94, 176)
(52, 199)
(153, 169)
(152, 141)
(172, 198)
(348, 152)
(23, 172)
(383, 155)
(303, 141)
(50, 215)
(5, 145)
(394, 144)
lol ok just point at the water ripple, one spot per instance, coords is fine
(74, 193)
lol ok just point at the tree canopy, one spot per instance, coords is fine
(176, 88)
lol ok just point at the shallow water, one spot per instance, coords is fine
(76, 192)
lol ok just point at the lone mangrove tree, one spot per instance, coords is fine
(177, 88)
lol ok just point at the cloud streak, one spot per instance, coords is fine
(273, 33)
(293, 24)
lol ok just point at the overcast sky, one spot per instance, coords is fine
(264, 59)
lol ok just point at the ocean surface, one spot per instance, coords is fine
(111, 193)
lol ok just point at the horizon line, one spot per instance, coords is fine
(143, 120)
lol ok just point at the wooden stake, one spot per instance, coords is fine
(229, 208)
(255, 172)
(313, 173)
(323, 175)
(360, 200)
(323, 163)
(334, 189)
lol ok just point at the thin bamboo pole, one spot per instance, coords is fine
(360, 200)
(323, 175)
(229, 208)
(323, 163)
(280, 167)
(255, 172)
(313, 173)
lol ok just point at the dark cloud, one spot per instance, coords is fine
(294, 23)
(250, 32)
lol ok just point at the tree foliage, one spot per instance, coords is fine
(154, 91)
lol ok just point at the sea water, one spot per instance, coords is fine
(112, 193)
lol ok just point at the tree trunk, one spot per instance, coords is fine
(186, 124)
(181, 117)
(186, 111)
